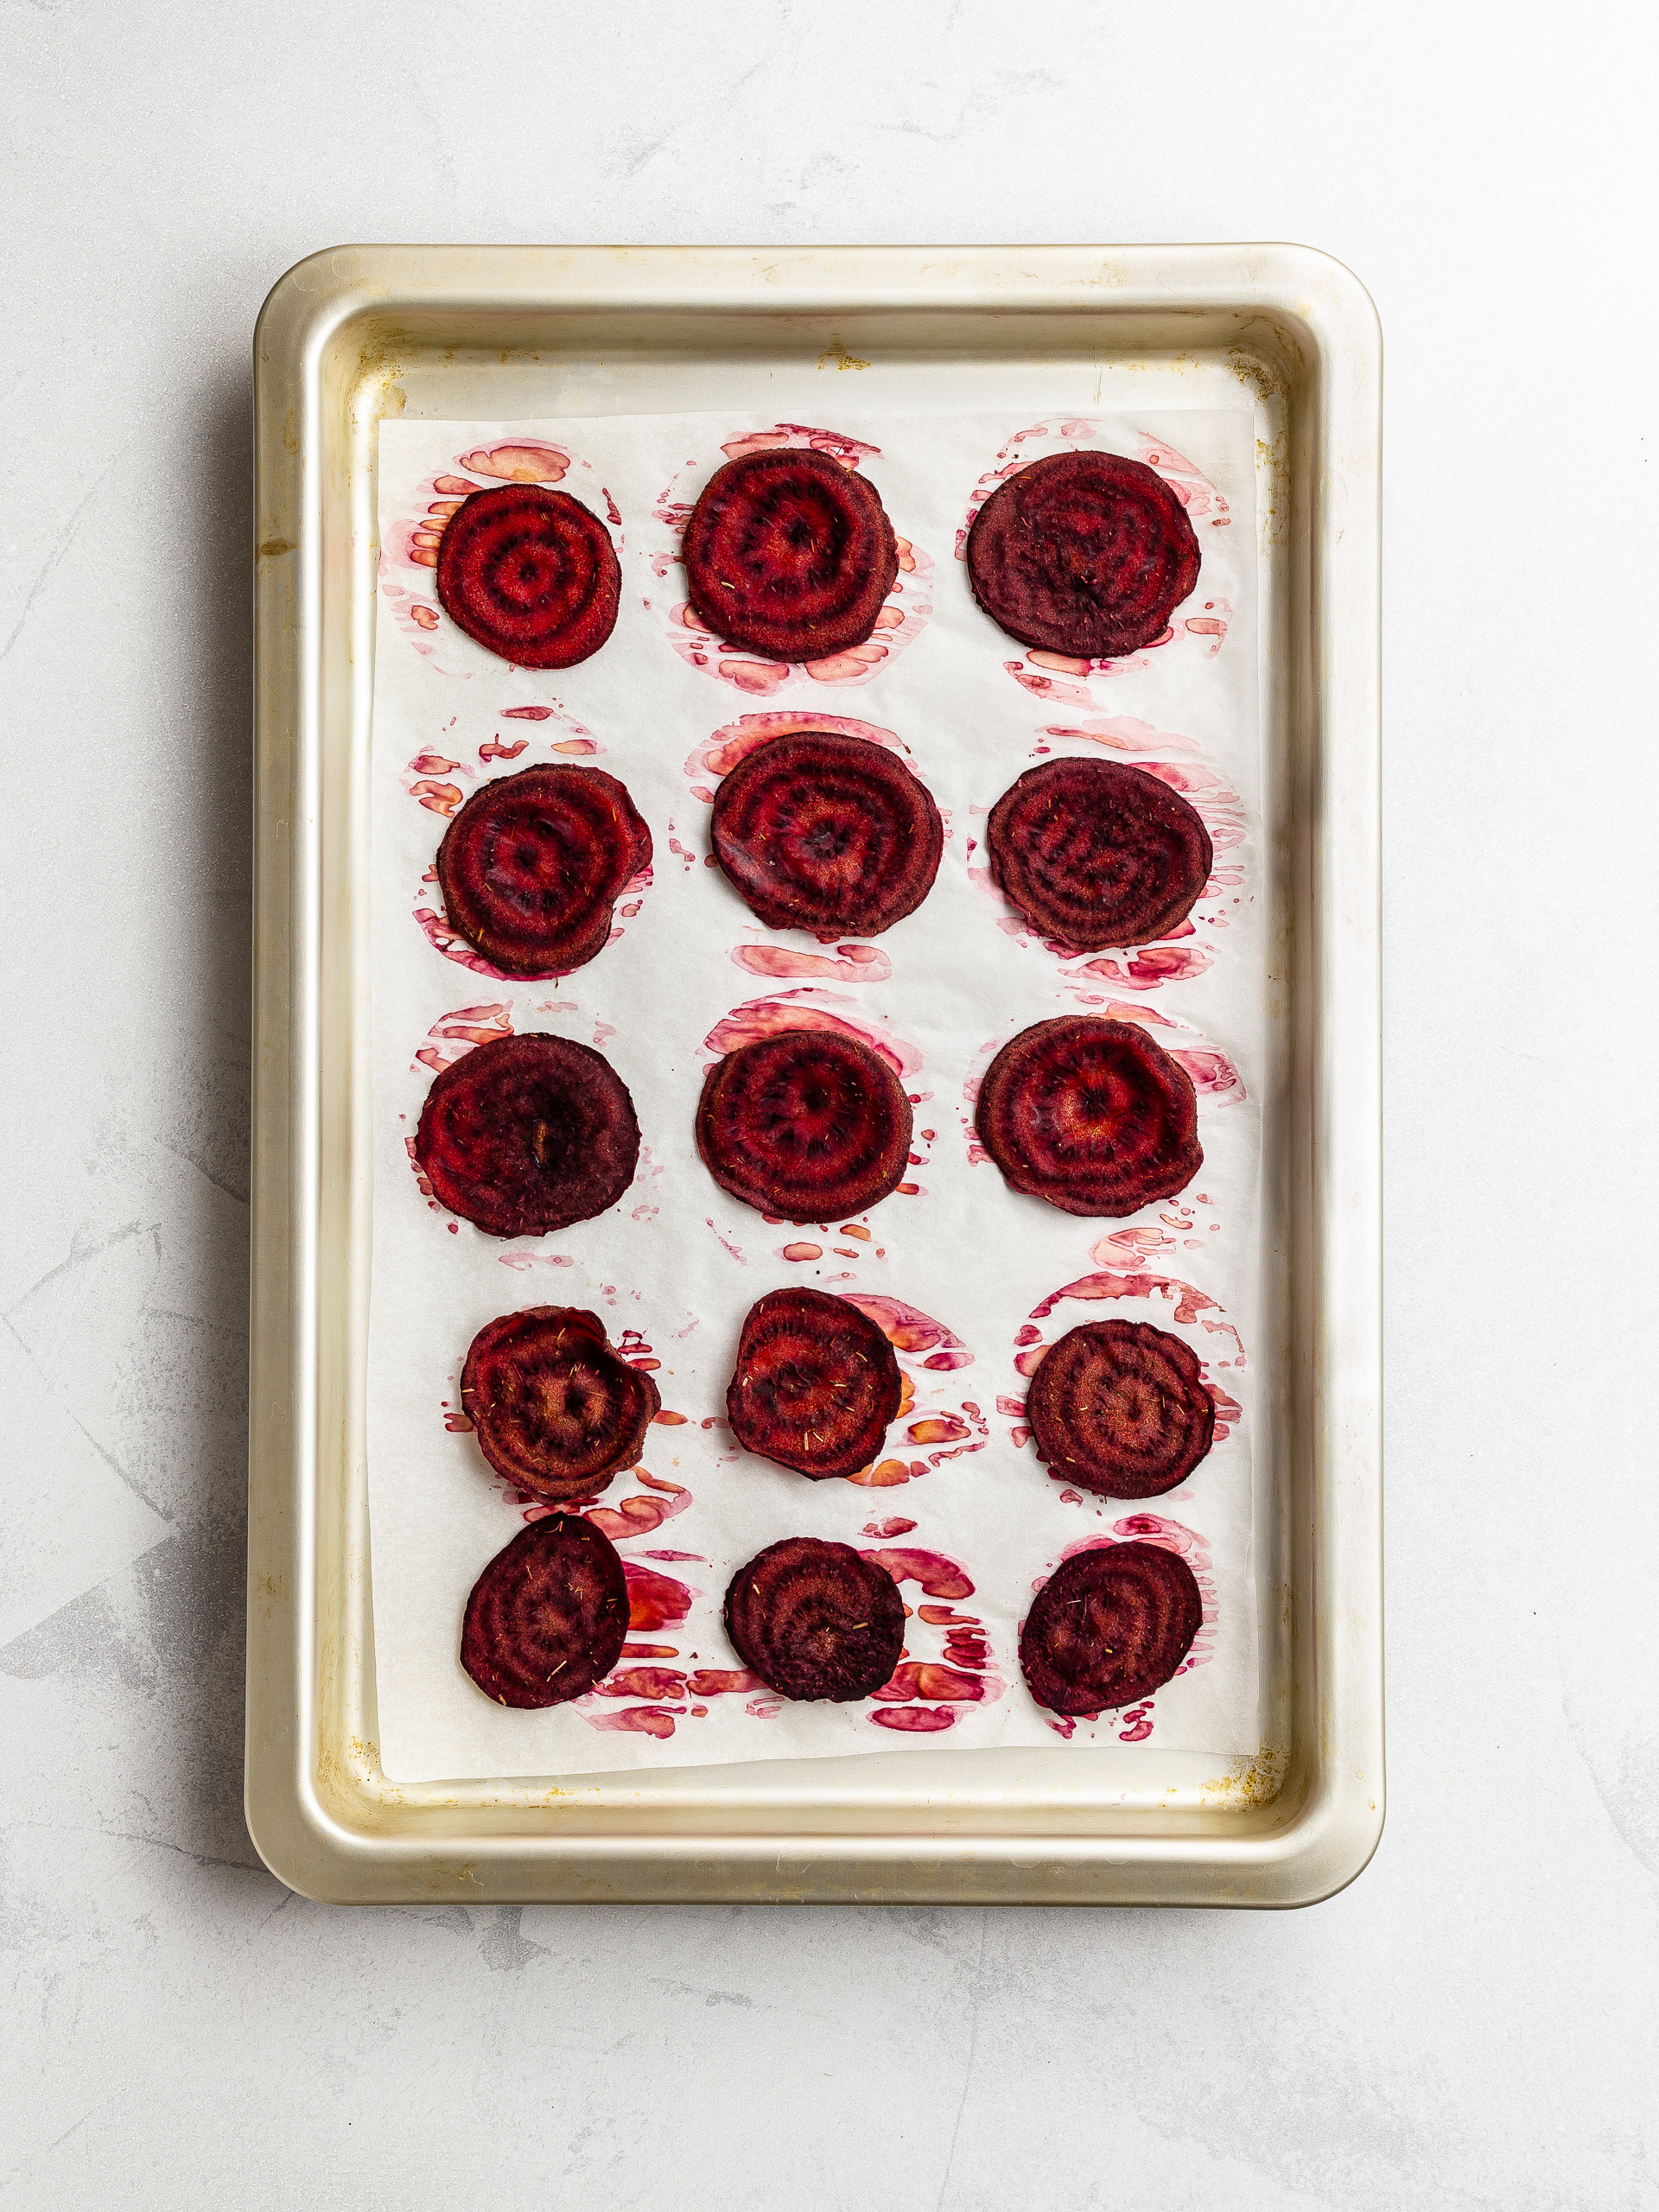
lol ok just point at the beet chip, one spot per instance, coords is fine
(1090, 1115)
(526, 1134)
(1095, 853)
(1119, 1408)
(547, 1618)
(1109, 1626)
(531, 867)
(818, 831)
(809, 1125)
(530, 574)
(1083, 554)
(815, 1385)
(815, 1620)
(790, 554)
(555, 1410)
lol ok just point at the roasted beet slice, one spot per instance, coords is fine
(815, 1385)
(1090, 1115)
(809, 1125)
(531, 866)
(526, 1134)
(556, 1411)
(791, 554)
(1096, 854)
(1084, 554)
(819, 831)
(1109, 1626)
(547, 1616)
(1120, 1409)
(530, 574)
(814, 1620)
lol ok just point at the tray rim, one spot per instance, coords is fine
(311, 1817)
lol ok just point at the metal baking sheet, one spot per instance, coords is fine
(470, 333)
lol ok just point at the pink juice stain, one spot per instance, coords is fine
(655, 1600)
(718, 755)
(1188, 1304)
(858, 963)
(808, 1008)
(467, 1027)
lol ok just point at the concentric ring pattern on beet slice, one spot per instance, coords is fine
(527, 1134)
(1109, 1626)
(1120, 1409)
(813, 1620)
(555, 1410)
(816, 1384)
(530, 574)
(547, 1616)
(819, 831)
(1093, 853)
(1091, 1114)
(809, 1125)
(1085, 553)
(531, 867)
(790, 554)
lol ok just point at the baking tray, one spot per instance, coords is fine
(466, 332)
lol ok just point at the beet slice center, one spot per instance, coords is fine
(820, 831)
(1120, 1409)
(1109, 1626)
(1091, 1114)
(808, 1124)
(813, 1620)
(1093, 853)
(531, 867)
(816, 1384)
(530, 574)
(1085, 553)
(790, 554)
(547, 1618)
(555, 1410)
(527, 1134)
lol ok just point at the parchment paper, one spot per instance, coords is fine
(677, 1263)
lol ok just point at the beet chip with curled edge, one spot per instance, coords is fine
(1120, 1409)
(547, 1618)
(529, 573)
(813, 1620)
(555, 1410)
(807, 1124)
(815, 1385)
(1109, 1626)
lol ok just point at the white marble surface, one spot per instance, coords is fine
(1473, 2023)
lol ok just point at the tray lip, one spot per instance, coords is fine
(301, 1835)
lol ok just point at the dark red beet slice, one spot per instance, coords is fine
(1120, 1409)
(819, 831)
(815, 1385)
(1109, 1626)
(1090, 1115)
(530, 574)
(547, 1616)
(790, 554)
(813, 1620)
(555, 1410)
(531, 866)
(1096, 854)
(809, 1125)
(526, 1134)
(1084, 554)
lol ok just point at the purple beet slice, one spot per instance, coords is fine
(526, 1134)
(547, 1616)
(1095, 853)
(809, 1125)
(554, 1409)
(1084, 554)
(1109, 1626)
(531, 867)
(815, 1385)
(790, 554)
(1120, 1409)
(530, 574)
(813, 1620)
(1090, 1115)
(819, 831)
